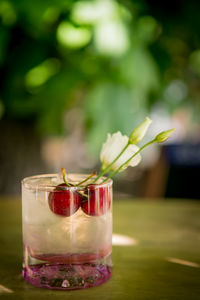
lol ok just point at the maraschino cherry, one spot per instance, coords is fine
(97, 202)
(64, 202)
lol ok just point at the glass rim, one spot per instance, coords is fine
(45, 187)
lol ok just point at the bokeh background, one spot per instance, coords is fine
(72, 71)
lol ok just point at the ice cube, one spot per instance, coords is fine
(35, 208)
(78, 233)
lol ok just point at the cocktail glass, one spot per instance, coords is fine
(67, 232)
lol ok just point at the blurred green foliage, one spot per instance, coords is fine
(114, 59)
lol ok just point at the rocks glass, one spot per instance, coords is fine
(67, 232)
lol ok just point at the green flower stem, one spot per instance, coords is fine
(106, 170)
(126, 162)
(86, 179)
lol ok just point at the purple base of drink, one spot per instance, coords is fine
(67, 276)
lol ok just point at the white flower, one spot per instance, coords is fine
(113, 146)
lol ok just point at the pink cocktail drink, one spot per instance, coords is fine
(67, 232)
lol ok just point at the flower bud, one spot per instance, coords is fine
(138, 133)
(163, 136)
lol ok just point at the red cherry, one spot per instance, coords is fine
(98, 201)
(64, 202)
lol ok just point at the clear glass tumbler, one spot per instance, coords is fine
(67, 232)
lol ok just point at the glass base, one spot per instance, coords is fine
(62, 276)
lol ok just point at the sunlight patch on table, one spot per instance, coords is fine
(183, 262)
(4, 289)
(123, 240)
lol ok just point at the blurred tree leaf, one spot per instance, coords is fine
(33, 15)
(138, 68)
(109, 107)
(113, 72)
(4, 39)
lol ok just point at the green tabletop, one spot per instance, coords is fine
(168, 235)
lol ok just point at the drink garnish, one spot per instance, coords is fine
(117, 153)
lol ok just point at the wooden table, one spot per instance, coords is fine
(165, 230)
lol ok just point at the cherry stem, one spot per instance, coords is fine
(83, 194)
(64, 178)
(86, 179)
(106, 170)
(70, 185)
(126, 162)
